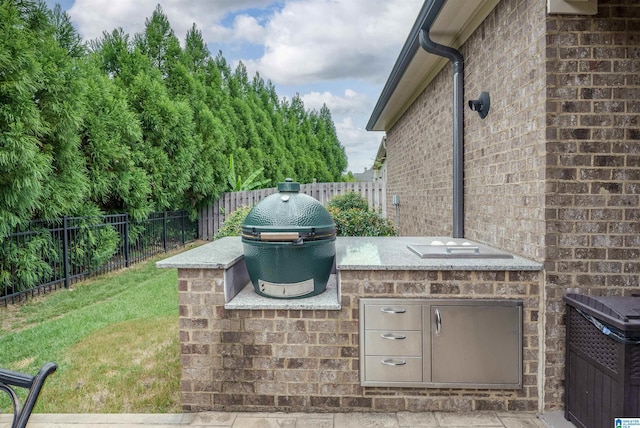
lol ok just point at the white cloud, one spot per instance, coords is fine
(312, 40)
(361, 146)
(351, 103)
(248, 28)
(350, 112)
(92, 17)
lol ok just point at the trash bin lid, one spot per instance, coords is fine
(620, 312)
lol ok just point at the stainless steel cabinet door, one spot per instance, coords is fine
(476, 344)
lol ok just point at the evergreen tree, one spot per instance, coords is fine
(159, 43)
(168, 140)
(195, 55)
(135, 124)
(23, 165)
(111, 141)
(61, 102)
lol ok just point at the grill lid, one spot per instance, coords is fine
(288, 216)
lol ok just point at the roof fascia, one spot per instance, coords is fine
(452, 28)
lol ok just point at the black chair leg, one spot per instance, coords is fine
(10, 379)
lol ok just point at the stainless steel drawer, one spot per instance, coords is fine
(384, 342)
(393, 369)
(395, 316)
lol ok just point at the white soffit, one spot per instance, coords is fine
(572, 7)
(457, 20)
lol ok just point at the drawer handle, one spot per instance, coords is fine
(393, 310)
(392, 362)
(392, 336)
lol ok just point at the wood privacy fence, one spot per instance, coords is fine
(212, 217)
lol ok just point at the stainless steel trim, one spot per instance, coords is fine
(393, 362)
(423, 351)
(375, 343)
(393, 318)
(462, 249)
(396, 371)
(393, 336)
(286, 290)
(393, 311)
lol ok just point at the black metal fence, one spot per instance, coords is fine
(47, 255)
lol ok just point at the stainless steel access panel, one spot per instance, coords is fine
(447, 343)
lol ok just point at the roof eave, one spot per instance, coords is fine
(415, 69)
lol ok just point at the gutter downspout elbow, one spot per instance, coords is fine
(457, 61)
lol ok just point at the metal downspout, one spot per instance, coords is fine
(457, 61)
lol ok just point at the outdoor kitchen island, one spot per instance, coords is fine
(244, 352)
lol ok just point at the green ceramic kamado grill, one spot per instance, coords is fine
(289, 244)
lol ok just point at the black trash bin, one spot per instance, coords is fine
(602, 372)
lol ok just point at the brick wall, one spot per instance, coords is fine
(419, 163)
(593, 164)
(504, 153)
(292, 360)
(553, 173)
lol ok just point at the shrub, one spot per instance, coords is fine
(347, 201)
(353, 217)
(232, 225)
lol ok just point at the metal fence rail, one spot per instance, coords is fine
(212, 217)
(47, 255)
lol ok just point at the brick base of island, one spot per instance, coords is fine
(243, 352)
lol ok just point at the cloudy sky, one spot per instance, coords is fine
(338, 52)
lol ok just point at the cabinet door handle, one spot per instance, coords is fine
(393, 336)
(393, 310)
(438, 322)
(392, 362)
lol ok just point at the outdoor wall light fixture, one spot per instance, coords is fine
(481, 105)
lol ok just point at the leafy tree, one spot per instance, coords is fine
(64, 33)
(117, 57)
(60, 100)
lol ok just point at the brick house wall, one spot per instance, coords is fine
(592, 205)
(419, 153)
(553, 172)
(504, 153)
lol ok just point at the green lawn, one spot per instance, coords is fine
(114, 338)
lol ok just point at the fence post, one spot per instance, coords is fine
(182, 224)
(164, 232)
(65, 251)
(126, 240)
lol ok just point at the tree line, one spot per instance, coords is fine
(139, 123)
